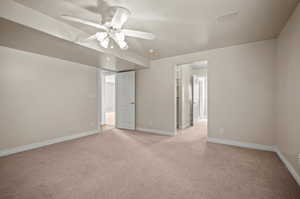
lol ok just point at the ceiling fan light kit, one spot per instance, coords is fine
(104, 43)
(112, 29)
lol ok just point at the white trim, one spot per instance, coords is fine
(155, 131)
(241, 144)
(288, 165)
(99, 94)
(6, 152)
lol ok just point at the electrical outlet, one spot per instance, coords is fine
(221, 131)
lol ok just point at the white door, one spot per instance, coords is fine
(196, 99)
(125, 100)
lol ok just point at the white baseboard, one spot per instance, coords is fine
(241, 144)
(155, 131)
(288, 165)
(6, 152)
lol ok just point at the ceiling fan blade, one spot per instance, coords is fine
(120, 17)
(100, 36)
(139, 34)
(89, 23)
(80, 38)
(92, 37)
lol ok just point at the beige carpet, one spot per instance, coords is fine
(133, 165)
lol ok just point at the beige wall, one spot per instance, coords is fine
(240, 90)
(288, 90)
(155, 98)
(44, 98)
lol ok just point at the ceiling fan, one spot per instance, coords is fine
(112, 29)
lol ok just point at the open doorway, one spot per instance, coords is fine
(116, 100)
(108, 99)
(191, 96)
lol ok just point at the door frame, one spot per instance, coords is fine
(175, 91)
(202, 99)
(194, 79)
(101, 73)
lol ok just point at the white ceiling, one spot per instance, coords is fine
(183, 26)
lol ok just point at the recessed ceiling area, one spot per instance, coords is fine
(182, 27)
(13, 34)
